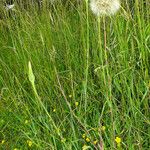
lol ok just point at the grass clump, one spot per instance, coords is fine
(64, 86)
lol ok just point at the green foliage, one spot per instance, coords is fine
(77, 85)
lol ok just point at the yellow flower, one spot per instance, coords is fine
(83, 136)
(3, 141)
(87, 139)
(70, 96)
(85, 147)
(118, 140)
(95, 142)
(103, 128)
(63, 140)
(26, 122)
(76, 103)
(15, 149)
(29, 143)
(54, 110)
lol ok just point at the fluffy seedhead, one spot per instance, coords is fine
(104, 7)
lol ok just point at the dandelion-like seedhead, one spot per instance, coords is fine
(9, 7)
(104, 7)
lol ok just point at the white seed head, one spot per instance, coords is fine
(104, 7)
(9, 7)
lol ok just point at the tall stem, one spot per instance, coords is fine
(105, 34)
(87, 56)
(108, 85)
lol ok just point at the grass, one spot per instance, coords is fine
(90, 85)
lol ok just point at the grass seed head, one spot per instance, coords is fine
(30, 73)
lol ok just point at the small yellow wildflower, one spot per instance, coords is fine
(85, 147)
(29, 143)
(87, 139)
(76, 103)
(103, 128)
(26, 122)
(3, 141)
(118, 140)
(99, 129)
(63, 140)
(83, 136)
(95, 142)
(54, 110)
(70, 96)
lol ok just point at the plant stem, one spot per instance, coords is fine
(87, 57)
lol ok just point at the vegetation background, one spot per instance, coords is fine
(92, 78)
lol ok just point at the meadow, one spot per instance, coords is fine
(70, 80)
